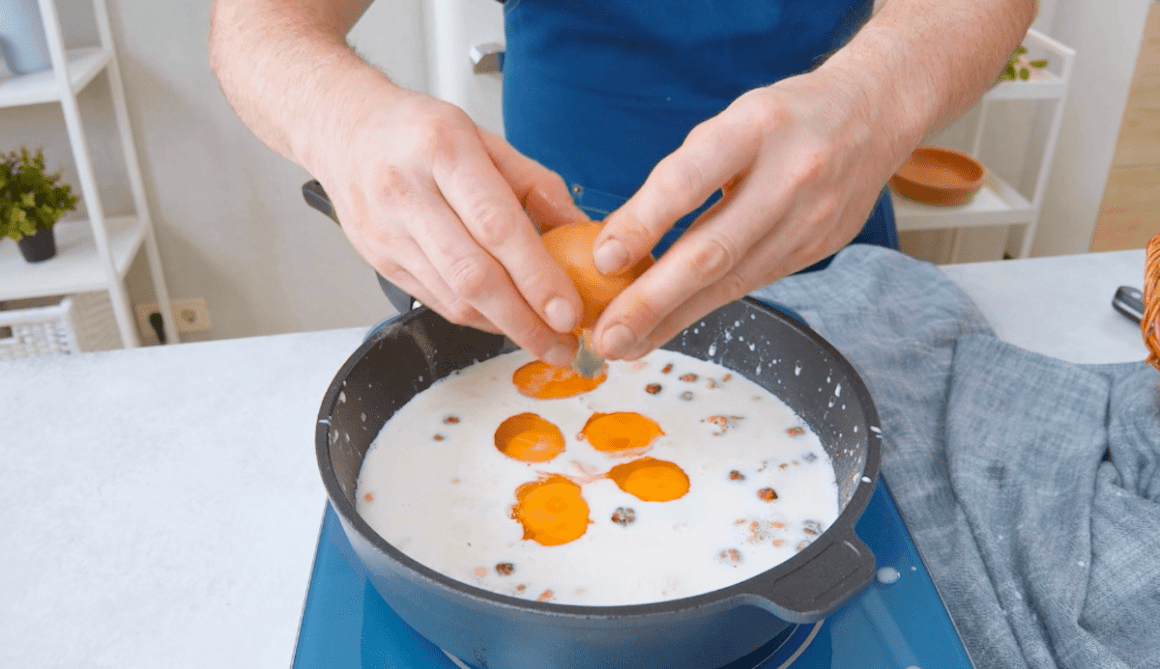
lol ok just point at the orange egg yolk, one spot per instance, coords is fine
(529, 438)
(620, 431)
(651, 480)
(542, 381)
(571, 245)
(551, 511)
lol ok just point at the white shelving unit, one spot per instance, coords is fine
(94, 254)
(1000, 203)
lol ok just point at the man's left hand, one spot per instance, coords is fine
(800, 165)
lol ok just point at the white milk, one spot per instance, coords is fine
(447, 503)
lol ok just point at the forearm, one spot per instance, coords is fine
(922, 63)
(283, 64)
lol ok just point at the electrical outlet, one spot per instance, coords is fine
(190, 314)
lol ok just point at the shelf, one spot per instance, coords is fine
(39, 87)
(76, 267)
(1042, 85)
(996, 204)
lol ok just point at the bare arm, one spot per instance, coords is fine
(282, 62)
(800, 164)
(434, 203)
(933, 59)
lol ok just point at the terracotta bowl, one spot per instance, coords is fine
(938, 176)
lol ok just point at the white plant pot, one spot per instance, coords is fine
(22, 42)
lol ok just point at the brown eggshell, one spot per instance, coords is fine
(571, 245)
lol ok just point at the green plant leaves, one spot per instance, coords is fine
(30, 200)
(1016, 68)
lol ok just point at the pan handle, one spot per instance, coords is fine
(821, 584)
(316, 197)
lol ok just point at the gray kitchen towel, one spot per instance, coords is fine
(1031, 485)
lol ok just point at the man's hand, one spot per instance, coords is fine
(800, 169)
(434, 203)
(800, 164)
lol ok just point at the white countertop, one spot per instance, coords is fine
(161, 506)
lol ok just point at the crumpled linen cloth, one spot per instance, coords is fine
(1031, 485)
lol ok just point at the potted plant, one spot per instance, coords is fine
(30, 203)
(1019, 67)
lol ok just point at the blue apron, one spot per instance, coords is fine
(601, 90)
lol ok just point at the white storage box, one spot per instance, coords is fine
(57, 325)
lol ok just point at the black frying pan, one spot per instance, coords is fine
(707, 631)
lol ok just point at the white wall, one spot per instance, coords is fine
(231, 223)
(1106, 35)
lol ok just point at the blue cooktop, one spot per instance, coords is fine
(898, 621)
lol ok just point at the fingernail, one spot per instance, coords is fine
(610, 257)
(617, 341)
(561, 315)
(559, 355)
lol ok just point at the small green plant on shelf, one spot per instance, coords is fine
(1019, 67)
(30, 200)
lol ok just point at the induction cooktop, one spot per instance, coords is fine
(898, 621)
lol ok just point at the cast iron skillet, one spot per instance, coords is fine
(489, 630)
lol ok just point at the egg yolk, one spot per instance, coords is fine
(529, 438)
(542, 381)
(620, 431)
(571, 245)
(651, 480)
(551, 511)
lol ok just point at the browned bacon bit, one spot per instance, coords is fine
(369, 497)
(687, 395)
(777, 525)
(710, 384)
(545, 596)
(732, 556)
(795, 431)
(455, 481)
(767, 494)
(438, 437)
(736, 476)
(480, 571)
(505, 568)
(803, 544)
(812, 527)
(652, 388)
(688, 378)
(739, 521)
(779, 542)
(521, 587)
(726, 377)
(623, 516)
(451, 420)
(720, 421)
(783, 466)
(668, 368)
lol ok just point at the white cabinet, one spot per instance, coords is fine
(999, 202)
(94, 254)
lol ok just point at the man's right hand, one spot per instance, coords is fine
(433, 202)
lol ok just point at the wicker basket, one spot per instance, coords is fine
(58, 325)
(1150, 323)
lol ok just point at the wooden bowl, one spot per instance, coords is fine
(938, 176)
